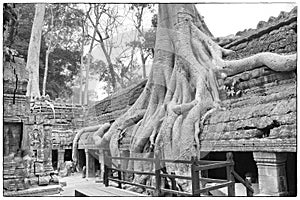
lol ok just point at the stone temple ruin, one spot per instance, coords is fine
(258, 125)
(36, 136)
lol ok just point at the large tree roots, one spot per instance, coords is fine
(181, 92)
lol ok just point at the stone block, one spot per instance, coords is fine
(271, 173)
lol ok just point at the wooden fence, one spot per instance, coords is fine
(197, 167)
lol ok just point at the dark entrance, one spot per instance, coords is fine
(291, 173)
(54, 158)
(219, 173)
(81, 159)
(68, 155)
(244, 164)
(12, 137)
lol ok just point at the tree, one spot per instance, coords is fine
(105, 20)
(25, 20)
(121, 69)
(143, 36)
(34, 52)
(64, 67)
(181, 90)
(125, 66)
(84, 40)
(61, 29)
(66, 64)
(10, 24)
(89, 58)
(10, 19)
(51, 41)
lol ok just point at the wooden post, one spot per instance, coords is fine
(204, 174)
(195, 177)
(249, 192)
(87, 163)
(157, 176)
(106, 170)
(230, 177)
(173, 182)
(119, 176)
(101, 164)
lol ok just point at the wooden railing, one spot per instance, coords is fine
(197, 167)
(246, 183)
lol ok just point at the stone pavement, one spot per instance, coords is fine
(90, 187)
(75, 181)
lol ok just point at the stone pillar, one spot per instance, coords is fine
(48, 148)
(86, 162)
(92, 160)
(124, 163)
(60, 157)
(101, 161)
(272, 178)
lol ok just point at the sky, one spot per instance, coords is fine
(223, 19)
(227, 19)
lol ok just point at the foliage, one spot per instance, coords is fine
(148, 42)
(64, 67)
(25, 21)
(65, 57)
(62, 26)
(145, 40)
(126, 73)
(9, 23)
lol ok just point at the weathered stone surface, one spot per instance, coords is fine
(266, 105)
(113, 106)
(287, 119)
(35, 192)
(284, 131)
(270, 36)
(15, 77)
(252, 144)
(263, 97)
(262, 116)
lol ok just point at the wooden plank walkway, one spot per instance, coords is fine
(104, 191)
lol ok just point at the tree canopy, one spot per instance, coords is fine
(64, 62)
(61, 52)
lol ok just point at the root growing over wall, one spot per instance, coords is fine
(182, 89)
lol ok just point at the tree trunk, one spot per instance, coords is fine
(86, 89)
(110, 66)
(81, 79)
(46, 72)
(143, 63)
(87, 74)
(32, 64)
(180, 93)
(81, 64)
(81, 70)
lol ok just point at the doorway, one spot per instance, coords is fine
(54, 158)
(68, 155)
(12, 137)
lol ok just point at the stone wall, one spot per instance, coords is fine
(115, 105)
(64, 118)
(260, 103)
(278, 35)
(15, 77)
(42, 126)
(45, 125)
